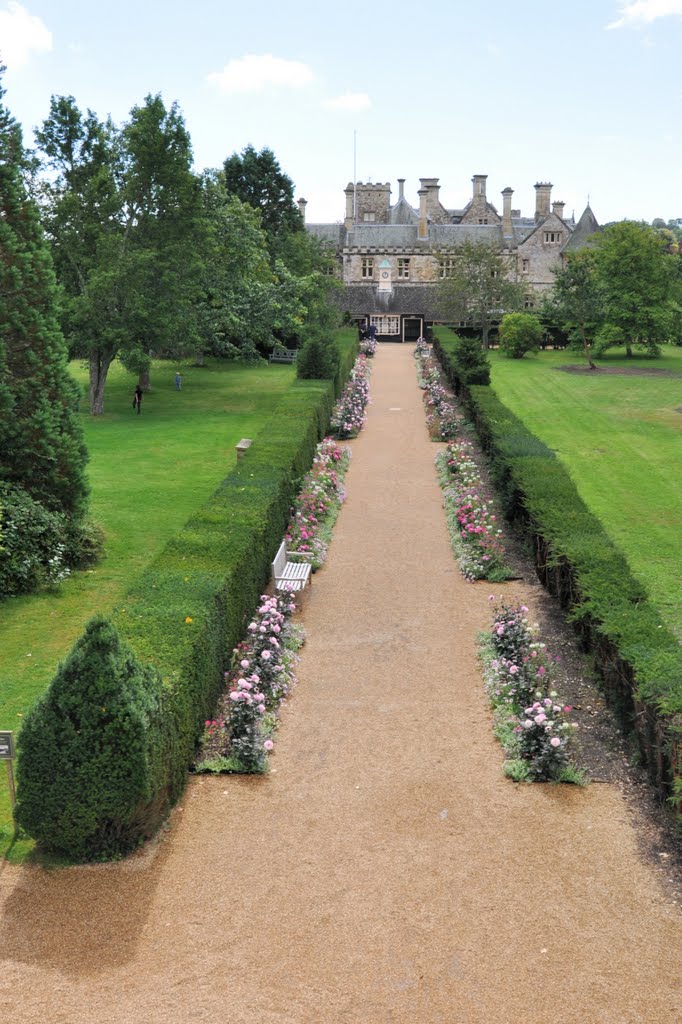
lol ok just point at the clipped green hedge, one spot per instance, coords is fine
(638, 657)
(181, 620)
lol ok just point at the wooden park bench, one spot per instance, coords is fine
(243, 446)
(280, 354)
(290, 575)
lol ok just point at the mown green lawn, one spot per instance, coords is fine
(147, 473)
(620, 438)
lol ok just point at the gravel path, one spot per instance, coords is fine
(384, 872)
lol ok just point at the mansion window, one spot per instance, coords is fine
(525, 265)
(552, 237)
(403, 268)
(447, 267)
(369, 216)
(367, 266)
(529, 302)
(482, 220)
(386, 324)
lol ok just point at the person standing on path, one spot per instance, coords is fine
(137, 399)
(178, 381)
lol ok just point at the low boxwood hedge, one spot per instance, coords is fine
(180, 620)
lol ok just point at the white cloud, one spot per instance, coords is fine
(349, 101)
(643, 12)
(21, 34)
(253, 73)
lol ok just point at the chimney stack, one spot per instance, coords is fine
(401, 189)
(543, 192)
(302, 203)
(558, 209)
(507, 229)
(423, 231)
(349, 192)
(479, 181)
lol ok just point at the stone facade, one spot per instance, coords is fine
(391, 257)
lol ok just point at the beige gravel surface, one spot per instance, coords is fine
(384, 872)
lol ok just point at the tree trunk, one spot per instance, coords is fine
(100, 361)
(485, 331)
(586, 350)
(628, 349)
(199, 359)
(144, 380)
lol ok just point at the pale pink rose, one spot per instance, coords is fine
(555, 741)
(268, 745)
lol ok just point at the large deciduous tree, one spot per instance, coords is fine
(477, 290)
(576, 303)
(41, 442)
(637, 275)
(123, 211)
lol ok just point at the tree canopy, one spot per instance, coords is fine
(476, 289)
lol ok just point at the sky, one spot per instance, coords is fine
(586, 94)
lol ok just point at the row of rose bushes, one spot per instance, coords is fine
(531, 721)
(349, 413)
(474, 532)
(261, 674)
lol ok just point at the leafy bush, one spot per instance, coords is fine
(520, 333)
(317, 360)
(464, 361)
(34, 551)
(91, 752)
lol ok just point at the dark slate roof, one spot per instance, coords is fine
(409, 299)
(327, 232)
(382, 236)
(454, 234)
(586, 227)
(403, 213)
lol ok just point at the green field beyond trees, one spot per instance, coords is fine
(148, 473)
(620, 439)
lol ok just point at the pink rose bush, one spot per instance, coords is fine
(475, 536)
(318, 502)
(531, 721)
(368, 347)
(349, 415)
(259, 679)
(441, 416)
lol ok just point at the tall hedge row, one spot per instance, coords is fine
(174, 632)
(638, 657)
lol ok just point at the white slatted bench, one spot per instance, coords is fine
(283, 355)
(290, 575)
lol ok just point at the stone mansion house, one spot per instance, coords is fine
(391, 257)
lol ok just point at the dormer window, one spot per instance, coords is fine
(482, 220)
(552, 237)
(370, 217)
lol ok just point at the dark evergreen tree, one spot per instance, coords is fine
(92, 751)
(257, 179)
(41, 441)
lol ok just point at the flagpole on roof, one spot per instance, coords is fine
(355, 176)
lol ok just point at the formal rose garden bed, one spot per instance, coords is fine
(531, 721)
(349, 414)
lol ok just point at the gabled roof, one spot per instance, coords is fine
(403, 213)
(409, 299)
(550, 221)
(586, 227)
